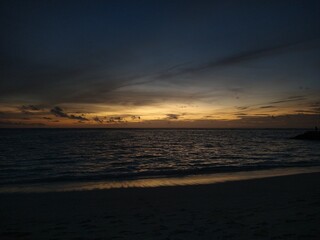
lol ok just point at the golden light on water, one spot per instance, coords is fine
(192, 180)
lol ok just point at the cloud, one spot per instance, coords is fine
(315, 107)
(30, 107)
(241, 114)
(135, 117)
(290, 99)
(97, 119)
(78, 118)
(58, 112)
(253, 121)
(22, 124)
(243, 57)
(94, 84)
(115, 119)
(303, 111)
(242, 108)
(268, 106)
(171, 116)
(111, 87)
(93, 67)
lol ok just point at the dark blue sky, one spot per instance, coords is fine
(98, 56)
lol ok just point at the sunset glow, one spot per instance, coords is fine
(151, 66)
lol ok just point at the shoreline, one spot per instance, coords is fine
(188, 180)
(282, 207)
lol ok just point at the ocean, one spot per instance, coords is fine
(45, 156)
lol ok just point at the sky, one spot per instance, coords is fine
(132, 64)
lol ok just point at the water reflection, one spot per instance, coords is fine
(160, 182)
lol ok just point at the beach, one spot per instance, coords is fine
(283, 207)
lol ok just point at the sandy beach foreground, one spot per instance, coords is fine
(286, 207)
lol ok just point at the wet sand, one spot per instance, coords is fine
(286, 207)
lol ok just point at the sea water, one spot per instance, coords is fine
(50, 156)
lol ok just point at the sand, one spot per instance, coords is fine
(286, 207)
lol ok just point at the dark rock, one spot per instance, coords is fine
(309, 135)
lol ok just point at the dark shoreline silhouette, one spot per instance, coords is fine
(309, 135)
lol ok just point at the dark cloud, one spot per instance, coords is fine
(283, 121)
(315, 107)
(97, 119)
(80, 118)
(268, 106)
(41, 82)
(241, 114)
(20, 124)
(93, 85)
(117, 119)
(242, 108)
(58, 112)
(290, 99)
(31, 107)
(244, 56)
(9, 115)
(171, 116)
(256, 121)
